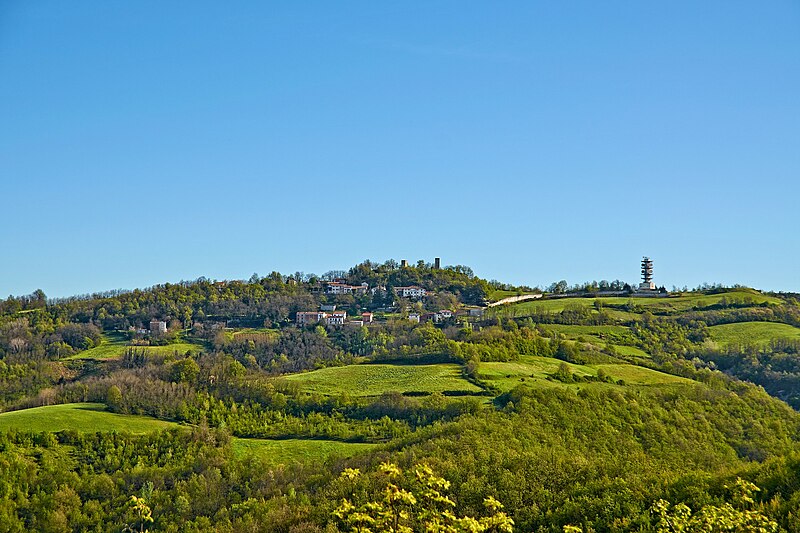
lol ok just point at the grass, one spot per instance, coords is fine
(93, 417)
(287, 451)
(533, 371)
(81, 417)
(114, 344)
(599, 336)
(373, 380)
(631, 351)
(673, 304)
(639, 375)
(759, 333)
(598, 332)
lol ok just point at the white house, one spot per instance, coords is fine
(412, 291)
(158, 326)
(337, 318)
(337, 287)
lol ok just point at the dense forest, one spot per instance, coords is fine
(563, 412)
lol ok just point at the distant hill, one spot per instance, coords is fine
(235, 405)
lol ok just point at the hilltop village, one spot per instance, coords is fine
(440, 295)
(409, 303)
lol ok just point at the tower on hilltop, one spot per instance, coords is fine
(647, 275)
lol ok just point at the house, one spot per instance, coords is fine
(158, 326)
(337, 318)
(303, 318)
(445, 313)
(411, 291)
(414, 317)
(337, 287)
(367, 318)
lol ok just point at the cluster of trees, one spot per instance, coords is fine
(562, 287)
(36, 336)
(596, 459)
(775, 366)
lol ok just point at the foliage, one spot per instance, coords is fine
(419, 505)
(713, 518)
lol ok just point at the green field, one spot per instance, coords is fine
(631, 351)
(597, 332)
(114, 345)
(82, 417)
(93, 417)
(373, 380)
(533, 371)
(759, 333)
(672, 304)
(287, 451)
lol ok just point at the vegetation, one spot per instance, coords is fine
(758, 333)
(571, 412)
(80, 417)
(295, 451)
(376, 379)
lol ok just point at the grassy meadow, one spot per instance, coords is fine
(759, 333)
(113, 346)
(672, 304)
(81, 417)
(286, 451)
(534, 371)
(373, 380)
(93, 417)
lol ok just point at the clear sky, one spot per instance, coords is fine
(149, 141)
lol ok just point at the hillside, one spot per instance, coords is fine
(569, 408)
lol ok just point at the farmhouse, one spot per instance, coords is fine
(158, 326)
(412, 291)
(336, 318)
(337, 287)
(304, 318)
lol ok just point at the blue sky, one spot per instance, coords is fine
(145, 142)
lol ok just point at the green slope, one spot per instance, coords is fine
(81, 417)
(533, 371)
(373, 380)
(760, 333)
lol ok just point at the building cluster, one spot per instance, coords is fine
(412, 292)
(332, 317)
(339, 287)
(157, 327)
(444, 314)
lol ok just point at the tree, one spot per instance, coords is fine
(114, 399)
(185, 371)
(558, 287)
(141, 511)
(422, 505)
(711, 518)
